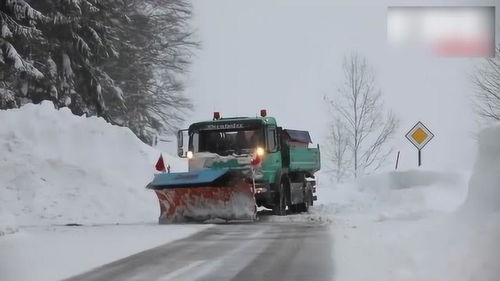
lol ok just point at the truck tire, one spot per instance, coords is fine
(279, 208)
(304, 207)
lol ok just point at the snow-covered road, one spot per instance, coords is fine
(259, 251)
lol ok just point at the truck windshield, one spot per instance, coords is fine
(227, 142)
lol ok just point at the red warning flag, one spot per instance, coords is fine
(256, 160)
(160, 165)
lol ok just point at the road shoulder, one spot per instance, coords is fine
(57, 252)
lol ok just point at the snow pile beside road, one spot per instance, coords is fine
(484, 185)
(58, 168)
(476, 231)
(395, 195)
(405, 195)
(421, 226)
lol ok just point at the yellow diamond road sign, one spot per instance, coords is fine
(419, 135)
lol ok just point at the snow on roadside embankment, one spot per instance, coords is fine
(405, 195)
(420, 225)
(58, 168)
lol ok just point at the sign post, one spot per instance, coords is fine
(419, 136)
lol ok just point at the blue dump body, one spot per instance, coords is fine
(194, 178)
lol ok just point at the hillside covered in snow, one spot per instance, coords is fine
(58, 168)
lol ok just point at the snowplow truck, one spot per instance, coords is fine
(236, 165)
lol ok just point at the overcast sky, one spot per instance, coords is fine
(284, 56)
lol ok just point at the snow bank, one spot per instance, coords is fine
(58, 168)
(484, 186)
(402, 195)
(420, 225)
(412, 194)
(395, 195)
(475, 227)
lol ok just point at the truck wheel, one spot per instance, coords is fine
(304, 207)
(294, 208)
(280, 201)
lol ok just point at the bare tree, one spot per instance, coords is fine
(337, 153)
(487, 84)
(360, 128)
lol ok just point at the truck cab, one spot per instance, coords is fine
(279, 161)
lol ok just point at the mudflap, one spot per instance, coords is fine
(204, 195)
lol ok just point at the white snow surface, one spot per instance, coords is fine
(58, 252)
(417, 225)
(58, 168)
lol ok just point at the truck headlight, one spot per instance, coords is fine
(189, 154)
(260, 151)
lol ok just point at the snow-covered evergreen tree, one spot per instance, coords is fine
(119, 59)
(18, 30)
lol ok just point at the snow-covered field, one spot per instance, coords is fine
(418, 225)
(56, 169)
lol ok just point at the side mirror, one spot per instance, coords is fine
(180, 143)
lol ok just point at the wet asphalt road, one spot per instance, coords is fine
(245, 251)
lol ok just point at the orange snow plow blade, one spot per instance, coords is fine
(204, 195)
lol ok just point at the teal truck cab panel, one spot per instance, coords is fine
(271, 164)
